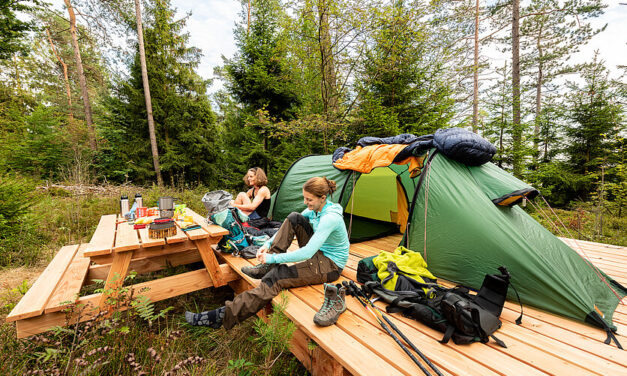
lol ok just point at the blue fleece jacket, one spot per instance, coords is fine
(329, 236)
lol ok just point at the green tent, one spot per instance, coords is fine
(472, 226)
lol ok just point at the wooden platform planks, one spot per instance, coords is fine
(543, 344)
(102, 242)
(69, 286)
(34, 302)
(343, 347)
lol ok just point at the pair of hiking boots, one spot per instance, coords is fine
(334, 303)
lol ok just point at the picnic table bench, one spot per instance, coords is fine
(116, 249)
(544, 344)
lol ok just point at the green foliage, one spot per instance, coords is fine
(41, 148)
(403, 90)
(258, 76)
(184, 122)
(274, 336)
(12, 29)
(18, 237)
(240, 367)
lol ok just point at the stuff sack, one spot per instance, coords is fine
(366, 270)
(216, 201)
(231, 220)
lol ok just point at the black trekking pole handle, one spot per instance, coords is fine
(354, 287)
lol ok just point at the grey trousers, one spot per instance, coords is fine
(318, 269)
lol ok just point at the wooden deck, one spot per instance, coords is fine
(543, 344)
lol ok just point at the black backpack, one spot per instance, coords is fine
(455, 312)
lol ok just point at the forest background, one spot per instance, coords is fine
(78, 128)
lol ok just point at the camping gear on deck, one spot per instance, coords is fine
(462, 216)
(395, 269)
(161, 228)
(366, 270)
(249, 252)
(358, 294)
(454, 311)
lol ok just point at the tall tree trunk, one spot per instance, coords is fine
(81, 75)
(151, 121)
(536, 129)
(68, 90)
(248, 20)
(18, 80)
(475, 92)
(516, 126)
(327, 65)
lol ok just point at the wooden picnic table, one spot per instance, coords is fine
(116, 249)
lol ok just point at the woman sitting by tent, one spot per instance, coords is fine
(323, 253)
(255, 203)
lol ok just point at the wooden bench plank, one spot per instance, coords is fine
(126, 238)
(200, 233)
(102, 241)
(156, 290)
(70, 285)
(147, 265)
(34, 302)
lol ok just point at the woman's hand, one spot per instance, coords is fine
(261, 254)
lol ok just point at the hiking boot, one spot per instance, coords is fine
(257, 271)
(211, 319)
(333, 306)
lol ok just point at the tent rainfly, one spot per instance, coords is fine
(461, 213)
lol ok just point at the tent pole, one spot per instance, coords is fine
(413, 201)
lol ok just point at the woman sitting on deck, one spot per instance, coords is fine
(255, 203)
(322, 255)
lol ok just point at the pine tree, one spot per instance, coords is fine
(548, 41)
(185, 124)
(258, 76)
(403, 89)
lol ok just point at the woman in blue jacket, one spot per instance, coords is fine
(323, 252)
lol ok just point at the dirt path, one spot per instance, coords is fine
(10, 278)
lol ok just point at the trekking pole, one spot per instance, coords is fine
(403, 336)
(387, 329)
